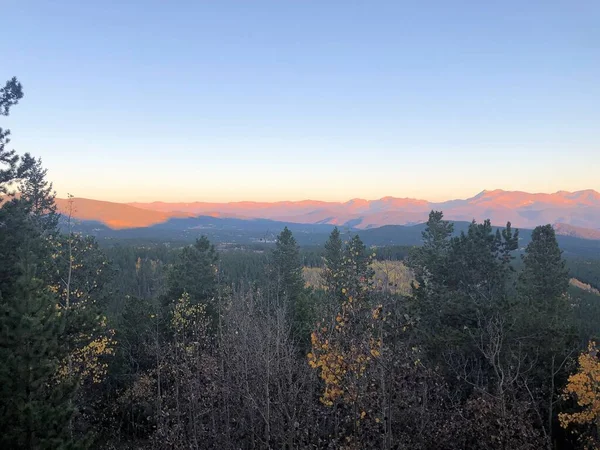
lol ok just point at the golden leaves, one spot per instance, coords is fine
(87, 361)
(343, 355)
(584, 386)
(189, 321)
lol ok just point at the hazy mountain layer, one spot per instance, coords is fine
(579, 209)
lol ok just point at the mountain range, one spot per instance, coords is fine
(578, 213)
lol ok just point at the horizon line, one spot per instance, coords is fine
(561, 191)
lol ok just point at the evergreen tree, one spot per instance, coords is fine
(195, 272)
(542, 287)
(10, 95)
(480, 261)
(287, 286)
(333, 260)
(357, 273)
(430, 266)
(11, 166)
(428, 262)
(287, 271)
(476, 279)
(35, 405)
(38, 194)
(461, 298)
(545, 277)
(16, 228)
(36, 402)
(545, 317)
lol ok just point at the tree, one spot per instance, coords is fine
(584, 387)
(266, 388)
(333, 259)
(28, 251)
(36, 406)
(194, 272)
(286, 277)
(38, 194)
(189, 374)
(428, 259)
(13, 168)
(459, 281)
(545, 277)
(15, 224)
(462, 302)
(356, 267)
(376, 390)
(77, 276)
(430, 267)
(544, 316)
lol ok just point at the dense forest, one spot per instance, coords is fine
(459, 343)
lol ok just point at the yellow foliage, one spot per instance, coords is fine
(87, 361)
(343, 353)
(186, 314)
(584, 386)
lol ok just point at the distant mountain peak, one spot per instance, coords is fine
(357, 201)
(487, 192)
(522, 209)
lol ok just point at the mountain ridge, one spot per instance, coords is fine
(579, 209)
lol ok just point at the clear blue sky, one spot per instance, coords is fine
(294, 99)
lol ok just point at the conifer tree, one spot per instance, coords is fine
(35, 402)
(428, 262)
(38, 194)
(333, 261)
(36, 405)
(545, 277)
(544, 315)
(542, 288)
(194, 272)
(430, 268)
(287, 286)
(357, 271)
(287, 271)
(11, 166)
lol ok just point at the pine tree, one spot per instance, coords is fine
(11, 166)
(287, 271)
(37, 192)
(287, 289)
(428, 262)
(357, 272)
(460, 299)
(545, 277)
(333, 261)
(35, 402)
(544, 315)
(430, 267)
(194, 272)
(36, 406)
(479, 261)
(542, 287)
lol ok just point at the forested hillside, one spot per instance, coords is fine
(465, 341)
(224, 231)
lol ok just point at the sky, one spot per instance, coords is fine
(300, 99)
